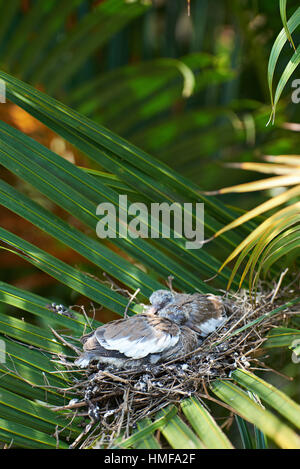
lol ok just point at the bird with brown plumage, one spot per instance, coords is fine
(170, 327)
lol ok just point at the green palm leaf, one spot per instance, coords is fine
(289, 27)
(268, 423)
(204, 425)
(268, 393)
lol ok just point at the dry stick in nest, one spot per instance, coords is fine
(124, 410)
(67, 344)
(278, 285)
(77, 405)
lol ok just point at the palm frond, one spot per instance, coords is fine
(283, 36)
(278, 234)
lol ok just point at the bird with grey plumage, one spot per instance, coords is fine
(169, 328)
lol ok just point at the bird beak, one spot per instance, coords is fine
(151, 310)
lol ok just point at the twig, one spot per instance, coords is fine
(282, 275)
(170, 283)
(130, 301)
(77, 405)
(114, 377)
(114, 286)
(79, 438)
(67, 344)
(58, 431)
(268, 368)
(124, 410)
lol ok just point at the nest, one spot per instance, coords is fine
(114, 400)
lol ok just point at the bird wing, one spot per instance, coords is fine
(138, 336)
(202, 313)
(205, 312)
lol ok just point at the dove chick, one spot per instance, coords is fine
(139, 340)
(170, 328)
(202, 313)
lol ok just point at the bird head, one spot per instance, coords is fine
(174, 313)
(159, 300)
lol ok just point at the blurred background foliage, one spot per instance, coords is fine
(118, 64)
